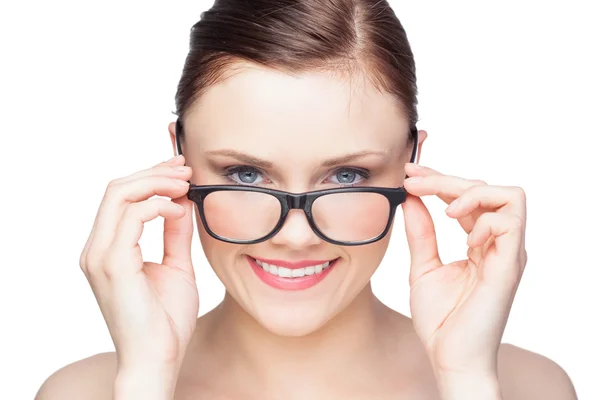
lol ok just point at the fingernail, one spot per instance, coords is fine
(181, 168)
(174, 158)
(414, 179)
(452, 206)
(181, 183)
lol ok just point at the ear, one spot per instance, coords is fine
(172, 134)
(421, 137)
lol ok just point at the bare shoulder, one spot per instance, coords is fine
(527, 375)
(91, 378)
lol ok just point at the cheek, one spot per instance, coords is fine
(219, 254)
(366, 259)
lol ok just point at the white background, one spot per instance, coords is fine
(508, 93)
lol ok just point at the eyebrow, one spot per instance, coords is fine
(248, 159)
(241, 157)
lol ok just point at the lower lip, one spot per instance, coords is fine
(299, 283)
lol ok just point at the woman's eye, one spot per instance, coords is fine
(349, 177)
(245, 175)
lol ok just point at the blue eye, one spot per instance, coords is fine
(346, 177)
(349, 176)
(244, 175)
(247, 175)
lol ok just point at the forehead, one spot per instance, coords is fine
(270, 112)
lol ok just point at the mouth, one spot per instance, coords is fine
(291, 275)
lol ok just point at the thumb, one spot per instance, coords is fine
(178, 238)
(420, 233)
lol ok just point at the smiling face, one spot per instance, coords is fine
(313, 131)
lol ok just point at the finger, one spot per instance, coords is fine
(502, 234)
(165, 168)
(178, 238)
(413, 169)
(447, 188)
(502, 198)
(439, 185)
(118, 196)
(177, 160)
(131, 226)
(422, 241)
(467, 221)
(171, 171)
(497, 225)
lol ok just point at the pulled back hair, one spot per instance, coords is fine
(296, 36)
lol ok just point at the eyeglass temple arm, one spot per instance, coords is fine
(415, 135)
(413, 131)
(178, 130)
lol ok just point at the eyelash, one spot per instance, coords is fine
(363, 173)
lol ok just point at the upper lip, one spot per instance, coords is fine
(292, 264)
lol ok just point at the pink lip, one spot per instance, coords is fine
(300, 283)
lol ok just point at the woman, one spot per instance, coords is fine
(297, 128)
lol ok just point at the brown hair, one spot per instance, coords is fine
(296, 36)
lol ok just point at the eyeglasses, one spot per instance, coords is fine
(349, 216)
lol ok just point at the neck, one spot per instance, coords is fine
(354, 339)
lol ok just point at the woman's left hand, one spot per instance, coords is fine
(460, 309)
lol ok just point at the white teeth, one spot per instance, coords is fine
(292, 273)
(297, 273)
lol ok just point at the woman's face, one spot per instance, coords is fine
(300, 133)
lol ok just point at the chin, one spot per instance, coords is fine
(291, 322)
(297, 305)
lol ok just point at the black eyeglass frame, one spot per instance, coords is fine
(297, 201)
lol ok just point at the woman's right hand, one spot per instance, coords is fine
(150, 309)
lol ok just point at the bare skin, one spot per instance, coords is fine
(404, 372)
(334, 340)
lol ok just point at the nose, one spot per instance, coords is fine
(296, 232)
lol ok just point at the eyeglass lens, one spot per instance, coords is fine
(344, 217)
